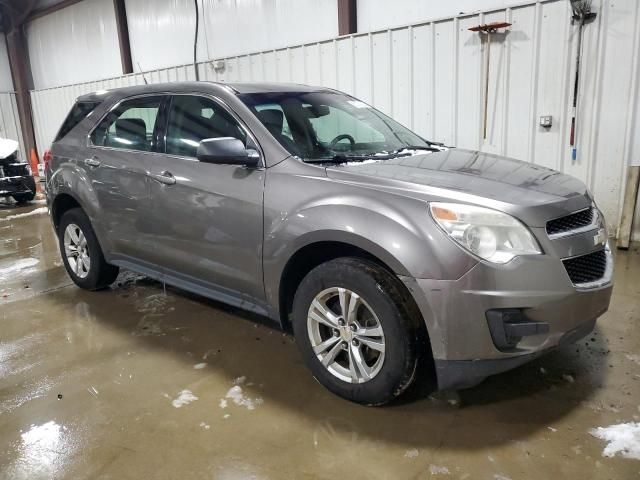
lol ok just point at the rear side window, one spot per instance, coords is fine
(78, 113)
(129, 126)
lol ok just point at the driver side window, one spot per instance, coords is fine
(194, 118)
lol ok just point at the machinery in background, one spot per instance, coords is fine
(16, 178)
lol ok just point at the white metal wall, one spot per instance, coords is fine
(77, 43)
(429, 76)
(162, 32)
(9, 120)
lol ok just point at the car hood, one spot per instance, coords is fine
(7, 147)
(530, 192)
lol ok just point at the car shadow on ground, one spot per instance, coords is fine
(505, 408)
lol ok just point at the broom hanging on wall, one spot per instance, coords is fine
(581, 14)
(488, 29)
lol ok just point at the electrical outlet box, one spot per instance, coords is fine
(218, 65)
(546, 121)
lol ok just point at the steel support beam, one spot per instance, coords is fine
(347, 17)
(21, 75)
(123, 36)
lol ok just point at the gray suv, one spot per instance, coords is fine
(389, 256)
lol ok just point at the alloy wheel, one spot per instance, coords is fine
(76, 250)
(346, 335)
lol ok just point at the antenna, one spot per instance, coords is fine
(143, 77)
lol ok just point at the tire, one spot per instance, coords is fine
(381, 301)
(99, 274)
(22, 198)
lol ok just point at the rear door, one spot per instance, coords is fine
(207, 218)
(117, 162)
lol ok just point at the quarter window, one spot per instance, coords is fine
(78, 113)
(130, 126)
(192, 119)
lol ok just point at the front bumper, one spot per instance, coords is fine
(455, 312)
(17, 185)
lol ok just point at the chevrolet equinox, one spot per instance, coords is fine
(389, 256)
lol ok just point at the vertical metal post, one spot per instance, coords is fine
(21, 75)
(123, 36)
(347, 17)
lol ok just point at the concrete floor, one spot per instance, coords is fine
(133, 383)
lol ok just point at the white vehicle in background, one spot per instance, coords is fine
(16, 179)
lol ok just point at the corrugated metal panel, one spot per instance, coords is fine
(10, 121)
(380, 14)
(77, 43)
(430, 76)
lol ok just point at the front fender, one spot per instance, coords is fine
(396, 230)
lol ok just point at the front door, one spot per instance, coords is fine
(207, 218)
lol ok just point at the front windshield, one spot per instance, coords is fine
(330, 126)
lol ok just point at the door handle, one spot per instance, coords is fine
(92, 162)
(166, 178)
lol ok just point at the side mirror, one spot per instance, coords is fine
(226, 151)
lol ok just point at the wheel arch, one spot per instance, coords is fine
(314, 253)
(62, 203)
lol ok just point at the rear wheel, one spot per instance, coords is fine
(353, 328)
(81, 252)
(22, 198)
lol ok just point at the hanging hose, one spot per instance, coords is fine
(195, 42)
(581, 13)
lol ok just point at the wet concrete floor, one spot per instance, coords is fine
(133, 382)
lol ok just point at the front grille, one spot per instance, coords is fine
(587, 268)
(574, 221)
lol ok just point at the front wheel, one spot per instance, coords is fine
(81, 252)
(353, 327)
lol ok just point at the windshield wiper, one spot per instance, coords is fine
(419, 147)
(342, 158)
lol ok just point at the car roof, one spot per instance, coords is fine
(237, 88)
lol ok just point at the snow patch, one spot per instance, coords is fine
(184, 398)
(438, 470)
(634, 358)
(199, 366)
(568, 378)
(236, 395)
(223, 403)
(37, 211)
(623, 439)
(205, 426)
(497, 476)
(413, 453)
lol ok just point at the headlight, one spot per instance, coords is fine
(489, 234)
